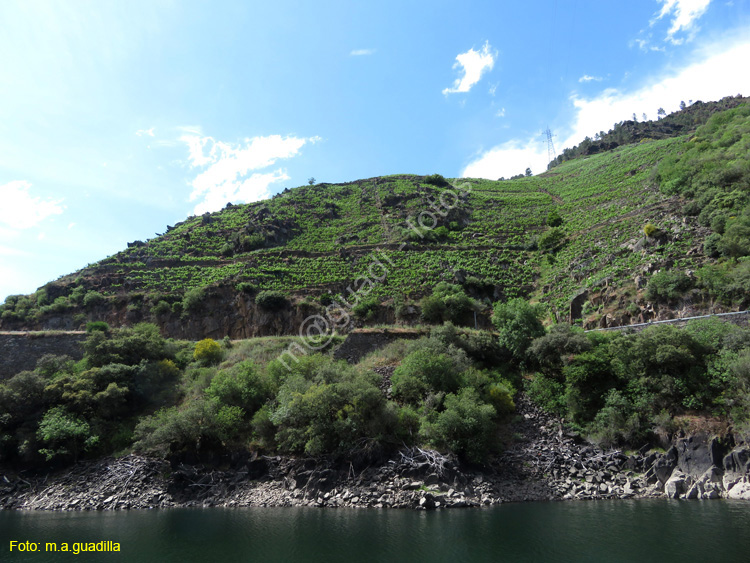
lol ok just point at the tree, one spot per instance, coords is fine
(682, 105)
(518, 324)
(64, 433)
(311, 181)
(661, 113)
(528, 172)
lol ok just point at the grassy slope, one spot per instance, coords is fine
(319, 239)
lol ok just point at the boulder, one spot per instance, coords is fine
(740, 491)
(697, 454)
(678, 484)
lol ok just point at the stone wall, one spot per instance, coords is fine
(20, 351)
(741, 318)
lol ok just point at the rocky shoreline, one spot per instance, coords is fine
(544, 462)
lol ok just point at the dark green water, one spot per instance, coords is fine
(646, 530)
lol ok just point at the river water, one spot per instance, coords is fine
(601, 531)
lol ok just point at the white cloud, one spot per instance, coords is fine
(492, 89)
(509, 159)
(71, 225)
(21, 210)
(685, 14)
(589, 78)
(142, 132)
(226, 168)
(473, 64)
(712, 77)
(361, 52)
(500, 113)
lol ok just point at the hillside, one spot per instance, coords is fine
(572, 237)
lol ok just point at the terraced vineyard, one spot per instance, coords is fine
(313, 242)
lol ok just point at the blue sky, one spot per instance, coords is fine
(119, 118)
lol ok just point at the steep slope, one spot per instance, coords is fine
(210, 275)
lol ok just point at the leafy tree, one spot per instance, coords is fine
(64, 434)
(466, 426)
(448, 302)
(667, 286)
(518, 323)
(423, 371)
(311, 181)
(528, 172)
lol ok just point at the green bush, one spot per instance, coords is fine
(202, 425)
(94, 326)
(518, 323)
(253, 241)
(554, 219)
(241, 386)
(551, 239)
(649, 230)
(161, 308)
(448, 302)
(271, 300)
(245, 287)
(667, 286)
(64, 434)
(436, 180)
(127, 346)
(366, 308)
(193, 299)
(93, 299)
(466, 426)
(422, 371)
(207, 352)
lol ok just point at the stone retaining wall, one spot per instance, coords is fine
(20, 351)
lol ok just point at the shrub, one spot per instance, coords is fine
(251, 242)
(551, 239)
(436, 180)
(518, 324)
(193, 299)
(202, 424)
(127, 346)
(667, 286)
(207, 352)
(227, 249)
(423, 370)
(161, 308)
(649, 229)
(241, 386)
(366, 308)
(245, 287)
(64, 434)
(554, 219)
(92, 299)
(711, 245)
(466, 426)
(100, 326)
(271, 300)
(448, 302)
